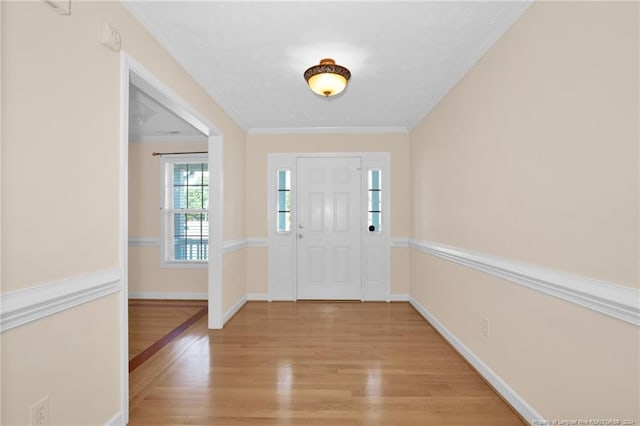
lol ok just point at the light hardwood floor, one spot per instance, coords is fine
(150, 320)
(313, 363)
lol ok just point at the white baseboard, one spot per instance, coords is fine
(168, 296)
(263, 297)
(116, 420)
(400, 297)
(235, 308)
(517, 402)
(607, 298)
(30, 304)
(257, 297)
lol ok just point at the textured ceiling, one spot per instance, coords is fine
(403, 56)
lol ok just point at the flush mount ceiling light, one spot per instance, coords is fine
(327, 78)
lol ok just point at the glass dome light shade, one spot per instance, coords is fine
(327, 78)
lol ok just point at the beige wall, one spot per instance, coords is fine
(72, 357)
(400, 270)
(533, 156)
(234, 171)
(61, 126)
(259, 145)
(234, 267)
(257, 268)
(61, 153)
(540, 142)
(145, 273)
(566, 361)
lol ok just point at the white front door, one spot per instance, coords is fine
(328, 229)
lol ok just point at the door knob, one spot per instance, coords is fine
(300, 235)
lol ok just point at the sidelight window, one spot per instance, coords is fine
(374, 214)
(284, 201)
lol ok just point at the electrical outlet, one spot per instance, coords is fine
(40, 412)
(485, 327)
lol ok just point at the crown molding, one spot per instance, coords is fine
(324, 130)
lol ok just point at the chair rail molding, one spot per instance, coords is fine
(399, 242)
(607, 298)
(144, 241)
(229, 246)
(257, 242)
(33, 303)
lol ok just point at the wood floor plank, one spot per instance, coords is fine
(143, 356)
(312, 363)
(150, 320)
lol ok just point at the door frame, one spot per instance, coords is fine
(131, 72)
(376, 248)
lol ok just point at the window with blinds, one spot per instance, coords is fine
(186, 209)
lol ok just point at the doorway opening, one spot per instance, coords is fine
(151, 113)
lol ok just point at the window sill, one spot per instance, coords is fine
(184, 265)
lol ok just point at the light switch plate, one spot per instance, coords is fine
(61, 7)
(111, 37)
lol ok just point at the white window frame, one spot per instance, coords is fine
(166, 220)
